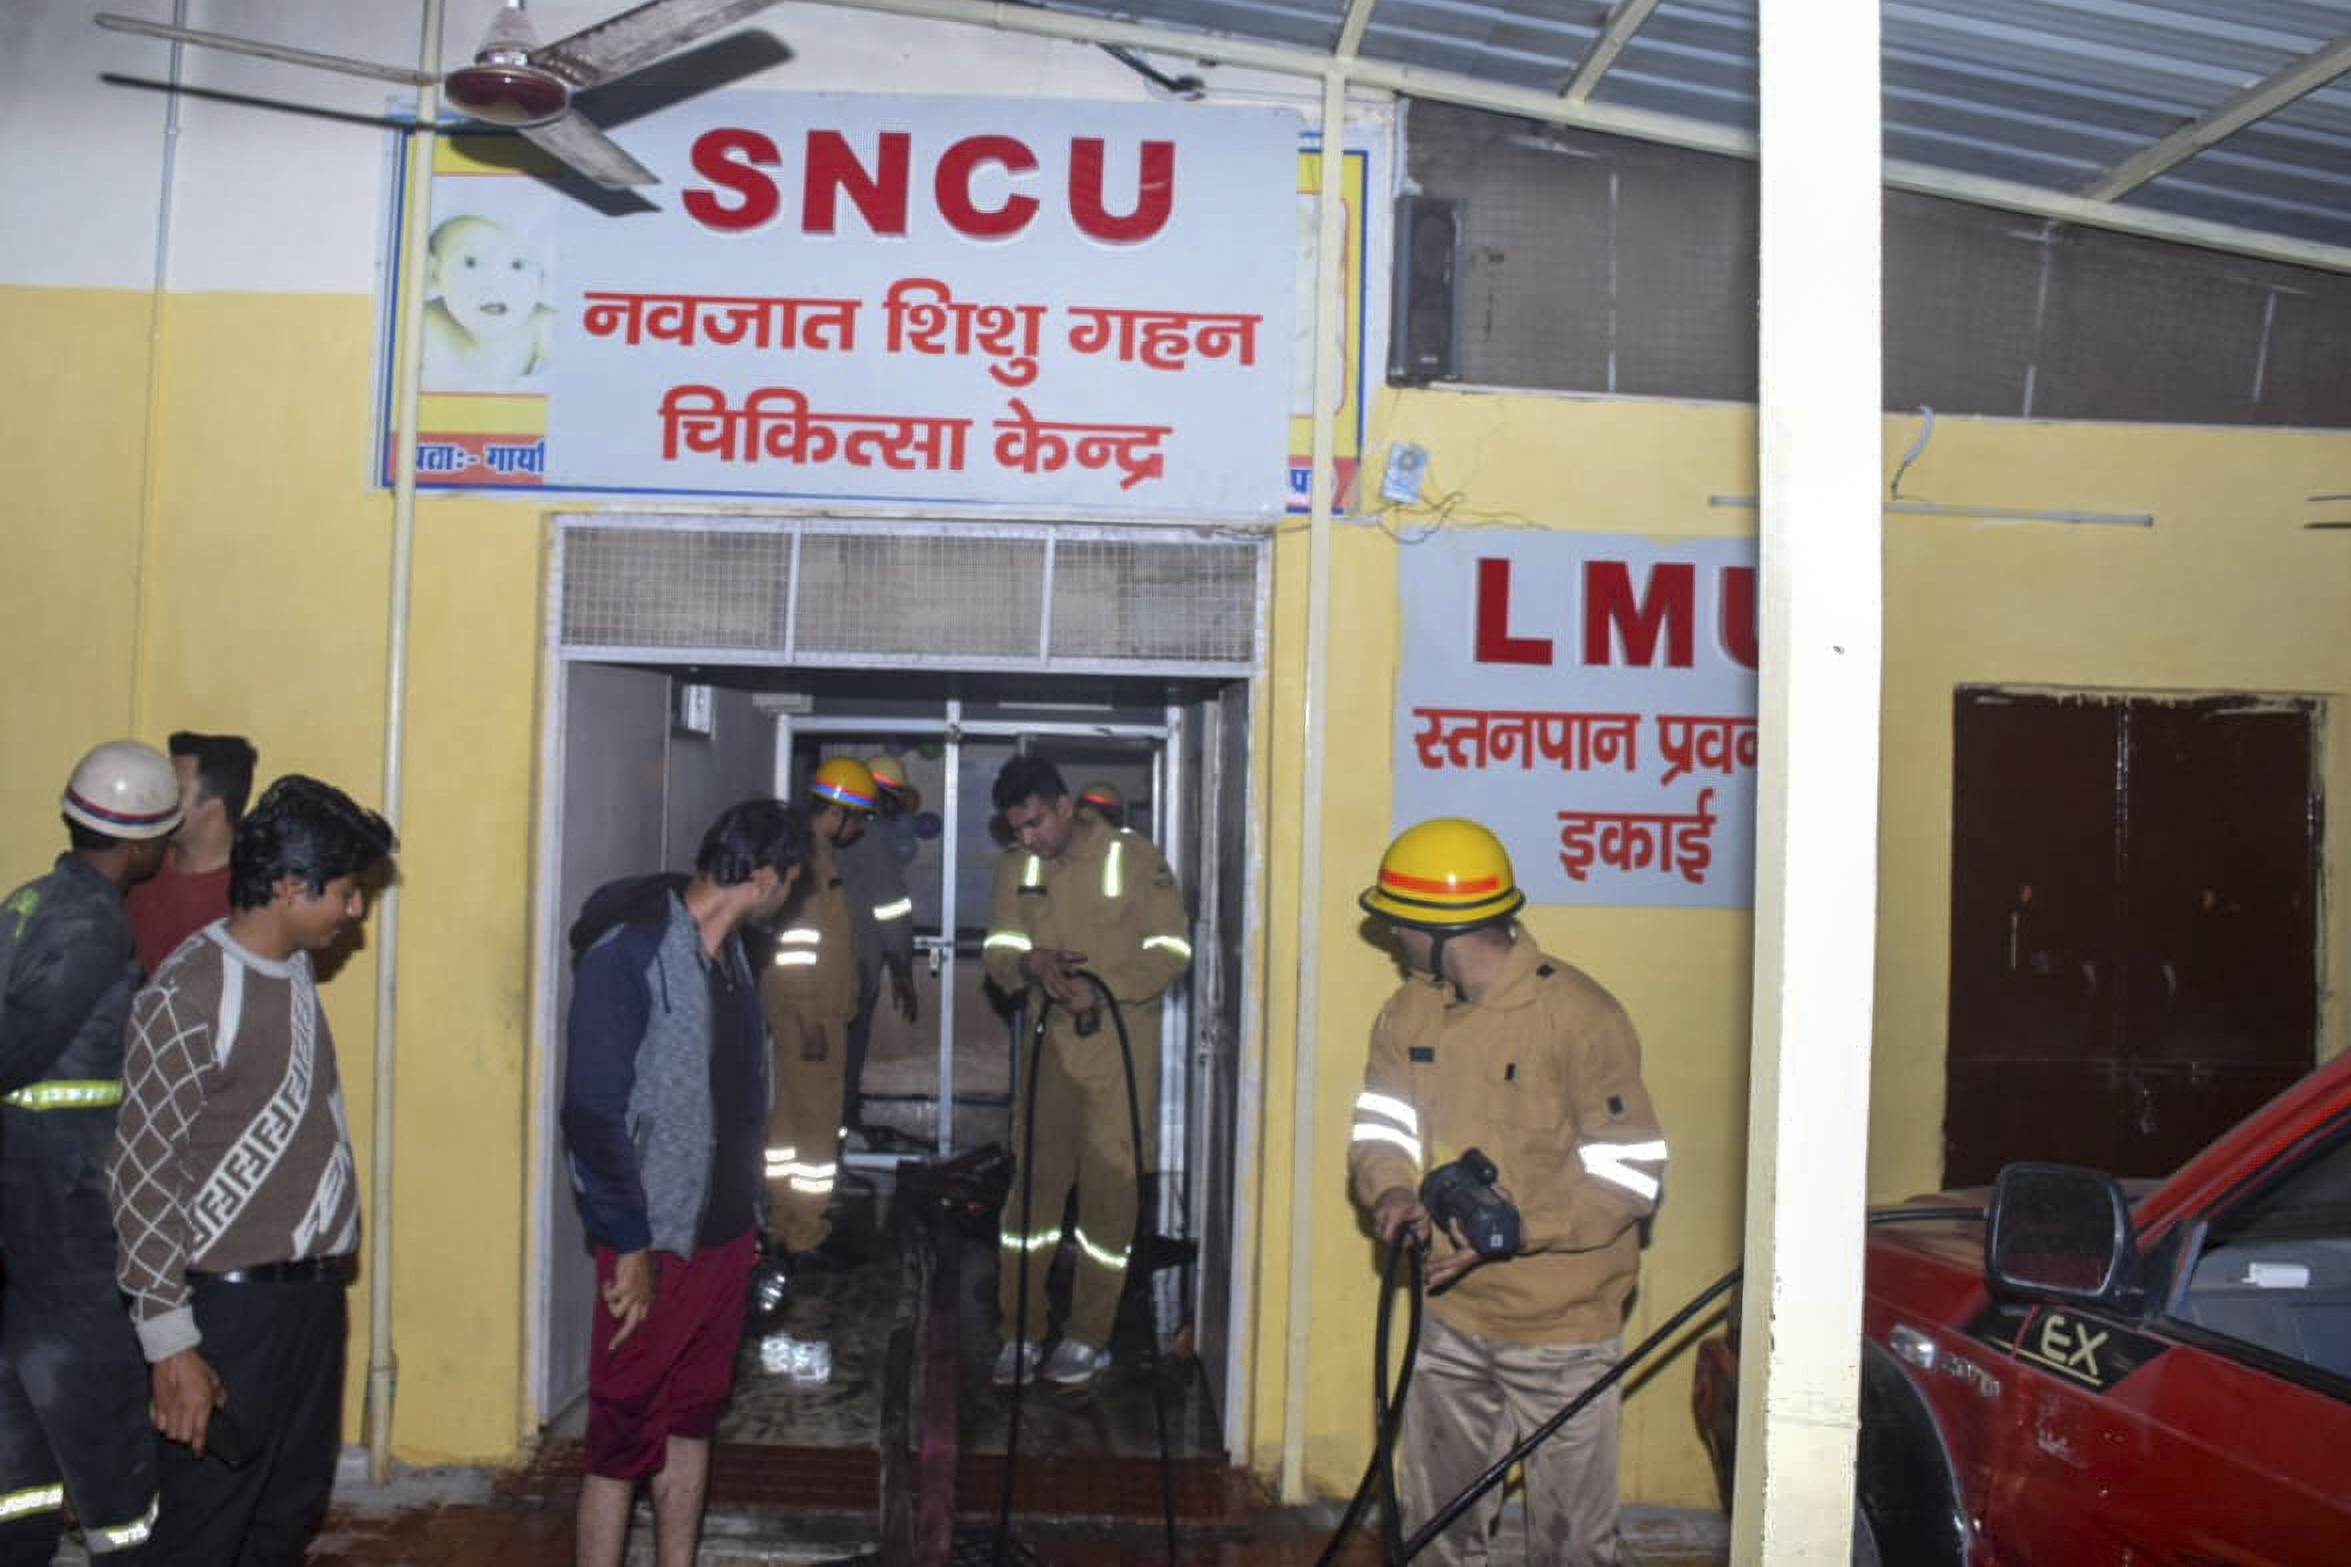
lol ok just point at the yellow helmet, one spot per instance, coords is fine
(1444, 875)
(1103, 796)
(845, 781)
(887, 773)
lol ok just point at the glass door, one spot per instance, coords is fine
(944, 1080)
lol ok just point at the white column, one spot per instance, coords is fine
(1820, 456)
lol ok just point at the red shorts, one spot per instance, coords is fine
(672, 1375)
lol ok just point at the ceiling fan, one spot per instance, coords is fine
(514, 80)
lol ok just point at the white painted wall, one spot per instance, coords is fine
(706, 776)
(281, 173)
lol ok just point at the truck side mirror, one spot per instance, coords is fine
(2059, 1230)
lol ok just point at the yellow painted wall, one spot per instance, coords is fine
(72, 369)
(233, 572)
(262, 560)
(1617, 466)
(2226, 591)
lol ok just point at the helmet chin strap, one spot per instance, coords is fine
(1437, 940)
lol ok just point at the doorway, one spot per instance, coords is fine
(2134, 923)
(692, 662)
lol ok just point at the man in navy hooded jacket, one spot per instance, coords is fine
(665, 1101)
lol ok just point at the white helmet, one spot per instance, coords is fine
(124, 789)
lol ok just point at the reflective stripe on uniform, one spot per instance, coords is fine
(121, 1536)
(1013, 1240)
(1033, 873)
(32, 1499)
(66, 1094)
(883, 913)
(1101, 1254)
(1383, 1118)
(1113, 869)
(1387, 1134)
(1175, 944)
(1018, 941)
(1612, 1162)
(786, 1165)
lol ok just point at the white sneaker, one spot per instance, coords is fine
(1073, 1363)
(1018, 1362)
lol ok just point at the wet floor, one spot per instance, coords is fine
(524, 1520)
(822, 1375)
(833, 1467)
(861, 1402)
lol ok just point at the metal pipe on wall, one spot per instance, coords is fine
(382, 1363)
(150, 484)
(1306, 1186)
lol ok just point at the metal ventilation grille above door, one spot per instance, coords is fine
(800, 591)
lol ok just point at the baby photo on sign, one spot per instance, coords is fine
(487, 323)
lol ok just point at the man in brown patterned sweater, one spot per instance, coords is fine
(234, 1191)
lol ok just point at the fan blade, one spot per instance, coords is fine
(620, 44)
(267, 51)
(573, 137)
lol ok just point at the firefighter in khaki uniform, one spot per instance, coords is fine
(1492, 1045)
(808, 992)
(1075, 895)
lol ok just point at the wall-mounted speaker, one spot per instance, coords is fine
(1424, 329)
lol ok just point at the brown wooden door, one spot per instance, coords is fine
(2221, 852)
(2133, 924)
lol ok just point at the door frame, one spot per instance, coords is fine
(1181, 1204)
(1231, 660)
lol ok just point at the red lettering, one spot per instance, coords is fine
(1154, 191)
(731, 157)
(1738, 614)
(1495, 644)
(739, 194)
(833, 169)
(1610, 604)
(953, 187)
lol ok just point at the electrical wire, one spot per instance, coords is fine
(1445, 1516)
(1126, 1052)
(1020, 1308)
(1380, 1469)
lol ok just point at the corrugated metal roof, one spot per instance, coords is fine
(2059, 96)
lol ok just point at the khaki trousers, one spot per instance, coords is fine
(1470, 1401)
(804, 1138)
(1083, 1138)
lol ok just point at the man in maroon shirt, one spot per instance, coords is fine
(192, 888)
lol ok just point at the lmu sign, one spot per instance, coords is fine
(1595, 706)
(1652, 620)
